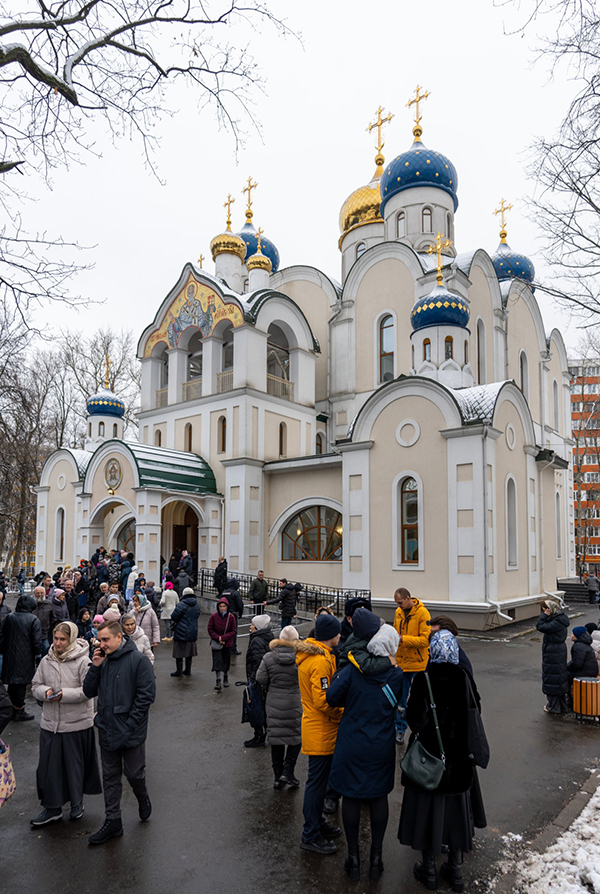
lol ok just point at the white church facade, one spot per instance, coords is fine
(409, 426)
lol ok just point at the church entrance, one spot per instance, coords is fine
(185, 536)
(179, 529)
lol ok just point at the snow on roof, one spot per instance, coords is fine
(82, 458)
(478, 403)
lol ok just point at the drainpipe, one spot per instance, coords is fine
(542, 564)
(486, 538)
(328, 392)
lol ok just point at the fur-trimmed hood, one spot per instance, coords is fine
(306, 648)
(293, 646)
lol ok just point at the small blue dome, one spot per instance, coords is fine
(250, 237)
(419, 166)
(105, 403)
(509, 264)
(439, 308)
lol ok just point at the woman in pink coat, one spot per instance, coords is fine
(145, 617)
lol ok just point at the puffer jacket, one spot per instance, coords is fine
(74, 711)
(258, 646)
(234, 597)
(414, 628)
(278, 676)
(583, 661)
(60, 610)
(44, 612)
(287, 600)
(125, 686)
(147, 620)
(596, 643)
(316, 667)
(168, 601)
(20, 642)
(143, 643)
(222, 626)
(184, 620)
(555, 679)
(354, 651)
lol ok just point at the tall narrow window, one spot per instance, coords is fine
(115, 430)
(555, 405)
(228, 347)
(101, 429)
(511, 522)
(558, 528)
(448, 348)
(157, 438)
(427, 350)
(409, 521)
(481, 379)
(524, 374)
(449, 227)
(187, 437)
(60, 535)
(400, 225)
(90, 429)
(319, 444)
(282, 439)
(386, 348)
(361, 249)
(466, 351)
(427, 217)
(222, 434)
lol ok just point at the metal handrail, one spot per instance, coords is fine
(161, 397)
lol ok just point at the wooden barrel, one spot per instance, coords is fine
(586, 696)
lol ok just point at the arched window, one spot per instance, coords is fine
(386, 348)
(400, 225)
(90, 429)
(481, 379)
(449, 227)
(427, 218)
(319, 444)
(282, 439)
(466, 351)
(115, 430)
(126, 537)
(164, 370)
(314, 535)
(427, 350)
(222, 434)
(194, 370)
(524, 374)
(409, 522)
(448, 348)
(511, 523)
(187, 437)
(60, 535)
(558, 528)
(101, 429)
(555, 405)
(361, 249)
(157, 438)
(278, 353)
(228, 347)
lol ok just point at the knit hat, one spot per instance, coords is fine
(578, 631)
(289, 634)
(98, 619)
(327, 627)
(169, 585)
(443, 648)
(188, 592)
(58, 592)
(385, 642)
(364, 623)
(591, 627)
(112, 614)
(261, 622)
(354, 603)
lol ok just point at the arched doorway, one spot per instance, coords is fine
(180, 523)
(185, 534)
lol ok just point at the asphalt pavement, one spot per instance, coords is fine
(218, 825)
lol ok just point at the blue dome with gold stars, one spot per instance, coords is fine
(105, 403)
(509, 264)
(419, 166)
(250, 237)
(439, 308)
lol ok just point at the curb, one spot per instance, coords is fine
(506, 884)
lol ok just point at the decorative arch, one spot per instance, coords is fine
(101, 508)
(380, 252)
(290, 320)
(480, 258)
(511, 393)
(294, 508)
(377, 335)
(181, 498)
(118, 526)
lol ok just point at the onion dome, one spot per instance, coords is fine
(419, 166)
(509, 264)
(362, 205)
(250, 237)
(228, 242)
(105, 403)
(439, 308)
(259, 261)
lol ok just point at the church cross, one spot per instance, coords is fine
(379, 124)
(228, 205)
(416, 101)
(106, 375)
(249, 189)
(502, 211)
(441, 242)
(259, 233)
(200, 259)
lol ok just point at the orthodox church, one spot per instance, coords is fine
(407, 426)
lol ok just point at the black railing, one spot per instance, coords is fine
(309, 599)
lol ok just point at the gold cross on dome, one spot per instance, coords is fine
(106, 374)
(416, 101)
(249, 189)
(441, 242)
(200, 259)
(228, 205)
(502, 211)
(259, 233)
(379, 124)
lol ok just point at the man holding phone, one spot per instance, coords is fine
(123, 680)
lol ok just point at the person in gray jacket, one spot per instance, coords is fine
(278, 676)
(123, 680)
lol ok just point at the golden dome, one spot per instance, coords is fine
(362, 205)
(228, 242)
(258, 261)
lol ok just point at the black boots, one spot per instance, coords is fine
(179, 668)
(425, 872)
(218, 683)
(452, 871)
(375, 863)
(188, 668)
(256, 742)
(352, 864)
(111, 828)
(21, 714)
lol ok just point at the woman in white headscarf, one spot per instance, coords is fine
(68, 766)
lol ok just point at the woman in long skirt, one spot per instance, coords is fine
(68, 766)
(222, 627)
(184, 621)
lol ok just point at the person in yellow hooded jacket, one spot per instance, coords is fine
(316, 667)
(413, 623)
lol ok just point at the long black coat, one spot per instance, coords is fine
(583, 661)
(184, 620)
(6, 709)
(287, 600)
(20, 642)
(258, 646)
(220, 577)
(555, 679)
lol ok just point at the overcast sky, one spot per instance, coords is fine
(488, 101)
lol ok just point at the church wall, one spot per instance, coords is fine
(272, 422)
(387, 285)
(315, 305)
(125, 489)
(282, 491)
(63, 475)
(522, 335)
(112, 518)
(180, 424)
(427, 457)
(481, 306)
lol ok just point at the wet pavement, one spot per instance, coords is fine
(218, 825)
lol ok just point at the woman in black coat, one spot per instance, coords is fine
(554, 624)
(258, 645)
(583, 661)
(443, 816)
(184, 625)
(20, 645)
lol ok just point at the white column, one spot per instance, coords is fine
(212, 358)
(243, 528)
(355, 499)
(151, 371)
(250, 358)
(302, 374)
(177, 374)
(148, 531)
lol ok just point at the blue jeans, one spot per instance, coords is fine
(401, 724)
(45, 647)
(285, 622)
(319, 766)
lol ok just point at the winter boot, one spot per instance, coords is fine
(375, 863)
(145, 808)
(452, 871)
(255, 742)
(352, 864)
(188, 668)
(111, 828)
(225, 680)
(21, 714)
(425, 872)
(218, 683)
(179, 668)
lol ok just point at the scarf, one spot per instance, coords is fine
(443, 648)
(73, 634)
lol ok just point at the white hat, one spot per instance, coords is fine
(261, 622)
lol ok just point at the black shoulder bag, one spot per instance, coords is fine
(418, 764)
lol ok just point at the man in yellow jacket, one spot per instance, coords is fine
(316, 666)
(413, 623)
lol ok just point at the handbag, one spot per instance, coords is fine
(8, 784)
(214, 644)
(253, 705)
(477, 743)
(418, 764)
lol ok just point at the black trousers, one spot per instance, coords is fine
(283, 759)
(16, 692)
(131, 762)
